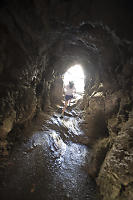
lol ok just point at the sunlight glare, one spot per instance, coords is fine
(75, 74)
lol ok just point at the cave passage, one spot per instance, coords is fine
(44, 157)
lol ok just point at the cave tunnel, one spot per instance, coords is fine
(87, 154)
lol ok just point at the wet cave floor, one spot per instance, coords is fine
(49, 163)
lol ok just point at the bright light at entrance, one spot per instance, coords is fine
(75, 74)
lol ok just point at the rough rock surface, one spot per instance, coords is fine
(39, 41)
(115, 177)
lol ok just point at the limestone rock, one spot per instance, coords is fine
(115, 177)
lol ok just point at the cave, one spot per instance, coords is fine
(89, 153)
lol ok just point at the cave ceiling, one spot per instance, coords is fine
(63, 33)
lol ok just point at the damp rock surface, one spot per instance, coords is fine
(48, 164)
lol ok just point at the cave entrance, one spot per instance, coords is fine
(76, 74)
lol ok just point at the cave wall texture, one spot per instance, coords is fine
(39, 40)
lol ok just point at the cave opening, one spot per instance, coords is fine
(76, 74)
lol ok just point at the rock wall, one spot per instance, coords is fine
(115, 177)
(113, 155)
